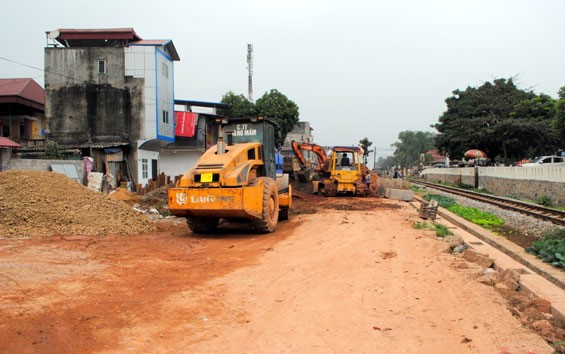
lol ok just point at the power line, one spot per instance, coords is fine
(33, 67)
(50, 72)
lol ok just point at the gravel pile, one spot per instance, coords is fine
(41, 203)
(525, 224)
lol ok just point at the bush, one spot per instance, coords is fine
(544, 200)
(550, 251)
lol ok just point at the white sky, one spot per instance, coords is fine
(355, 68)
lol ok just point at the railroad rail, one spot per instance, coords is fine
(538, 211)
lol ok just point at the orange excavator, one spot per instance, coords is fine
(339, 173)
(297, 148)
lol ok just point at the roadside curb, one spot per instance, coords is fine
(509, 248)
(535, 277)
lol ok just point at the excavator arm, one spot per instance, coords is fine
(317, 149)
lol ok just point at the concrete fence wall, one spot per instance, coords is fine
(522, 182)
(43, 165)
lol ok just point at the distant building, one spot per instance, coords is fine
(302, 132)
(109, 93)
(436, 156)
(22, 117)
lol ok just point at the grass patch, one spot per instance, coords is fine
(442, 201)
(417, 189)
(476, 216)
(464, 186)
(440, 230)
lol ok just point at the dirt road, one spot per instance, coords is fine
(340, 276)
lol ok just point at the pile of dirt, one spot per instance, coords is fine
(122, 194)
(41, 203)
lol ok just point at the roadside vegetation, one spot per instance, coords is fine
(474, 215)
(505, 121)
(551, 249)
(440, 230)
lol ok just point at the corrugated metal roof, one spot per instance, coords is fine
(23, 91)
(98, 37)
(97, 33)
(108, 37)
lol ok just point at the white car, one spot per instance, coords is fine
(546, 161)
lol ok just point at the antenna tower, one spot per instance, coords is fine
(250, 70)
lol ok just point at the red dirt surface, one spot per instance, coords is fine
(342, 275)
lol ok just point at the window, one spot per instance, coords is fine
(251, 154)
(165, 70)
(144, 168)
(101, 66)
(165, 117)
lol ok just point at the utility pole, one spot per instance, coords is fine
(250, 70)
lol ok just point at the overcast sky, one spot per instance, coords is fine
(355, 68)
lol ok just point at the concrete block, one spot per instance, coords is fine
(544, 289)
(481, 259)
(399, 194)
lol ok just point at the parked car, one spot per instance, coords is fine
(439, 165)
(546, 161)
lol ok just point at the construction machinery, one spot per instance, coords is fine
(340, 171)
(306, 172)
(236, 179)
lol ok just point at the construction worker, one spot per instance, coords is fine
(344, 160)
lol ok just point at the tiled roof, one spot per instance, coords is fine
(23, 91)
(7, 143)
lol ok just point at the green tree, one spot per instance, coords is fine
(497, 118)
(386, 163)
(559, 119)
(410, 145)
(365, 144)
(527, 132)
(240, 106)
(276, 106)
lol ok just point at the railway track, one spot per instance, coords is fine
(538, 211)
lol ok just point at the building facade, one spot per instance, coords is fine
(22, 118)
(110, 94)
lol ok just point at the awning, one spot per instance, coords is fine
(7, 143)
